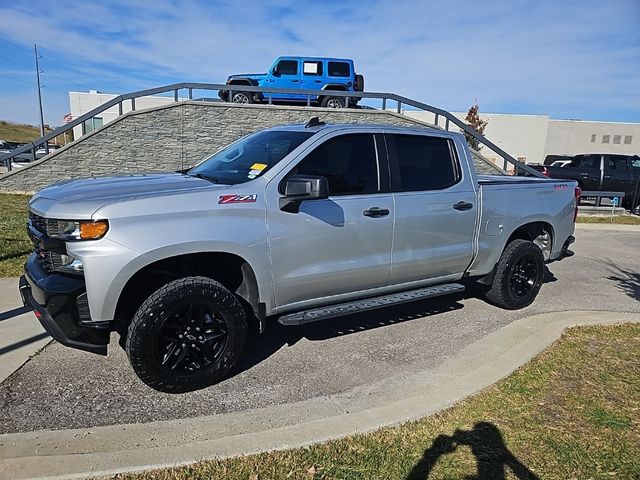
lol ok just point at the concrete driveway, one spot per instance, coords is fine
(351, 357)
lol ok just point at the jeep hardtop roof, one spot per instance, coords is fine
(301, 57)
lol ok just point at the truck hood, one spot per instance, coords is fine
(78, 199)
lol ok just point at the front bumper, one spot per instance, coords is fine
(58, 301)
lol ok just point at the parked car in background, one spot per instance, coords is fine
(551, 159)
(300, 73)
(601, 172)
(27, 156)
(6, 147)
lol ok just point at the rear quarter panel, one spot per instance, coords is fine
(510, 205)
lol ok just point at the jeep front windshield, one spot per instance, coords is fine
(249, 157)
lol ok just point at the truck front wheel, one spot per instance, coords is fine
(186, 335)
(518, 276)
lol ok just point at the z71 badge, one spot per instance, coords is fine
(225, 199)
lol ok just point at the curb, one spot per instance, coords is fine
(115, 449)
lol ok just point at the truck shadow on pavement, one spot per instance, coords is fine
(261, 347)
(493, 457)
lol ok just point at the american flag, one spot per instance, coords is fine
(67, 118)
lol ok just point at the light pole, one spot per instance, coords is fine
(46, 145)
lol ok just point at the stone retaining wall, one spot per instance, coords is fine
(176, 136)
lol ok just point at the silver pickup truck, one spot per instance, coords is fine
(294, 223)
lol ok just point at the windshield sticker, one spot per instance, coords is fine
(258, 166)
(226, 199)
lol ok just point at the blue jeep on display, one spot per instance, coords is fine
(300, 73)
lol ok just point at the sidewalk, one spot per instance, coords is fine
(21, 334)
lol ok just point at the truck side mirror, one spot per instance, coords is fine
(275, 72)
(299, 188)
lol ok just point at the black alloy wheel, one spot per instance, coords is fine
(191, 338)
(187, 335)
(523, 277)
(518, 276)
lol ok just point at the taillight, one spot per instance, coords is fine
(545, 171)
(577, 193)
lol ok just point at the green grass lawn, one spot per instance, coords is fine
(571, 413)
(14, 242)
(617, 219)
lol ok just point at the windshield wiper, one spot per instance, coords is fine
(207, 177)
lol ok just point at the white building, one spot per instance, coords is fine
(83, 102)
(529, 138)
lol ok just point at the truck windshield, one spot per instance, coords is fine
(249, 157)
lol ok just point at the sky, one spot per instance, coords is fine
(577, 59)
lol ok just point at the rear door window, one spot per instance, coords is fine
(349, 162)
(617, 162)
(586, 161)
(312, 68)
(339, 69)
(421, 162)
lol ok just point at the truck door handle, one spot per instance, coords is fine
(462, 205)
(318, 81)
(295, 81)
(376, 212)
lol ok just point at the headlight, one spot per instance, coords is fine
(70, 230)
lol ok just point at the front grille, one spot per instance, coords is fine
(38, 222)
(48, 260)
(48, 226)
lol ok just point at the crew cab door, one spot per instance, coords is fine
(589, 168)
(618, 176)
(336, 246)
(285, 74)
(312, 75)
(436, 208)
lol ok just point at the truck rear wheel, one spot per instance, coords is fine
(186, 335)
(518, 276)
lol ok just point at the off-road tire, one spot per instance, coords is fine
(502, 292)
(332, 102)
(148, 323)
(242, 97)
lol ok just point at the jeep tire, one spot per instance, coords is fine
(518, 277)
(332, 102)
(186, 335)
(242, 97)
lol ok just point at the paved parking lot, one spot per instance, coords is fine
(352, 356)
